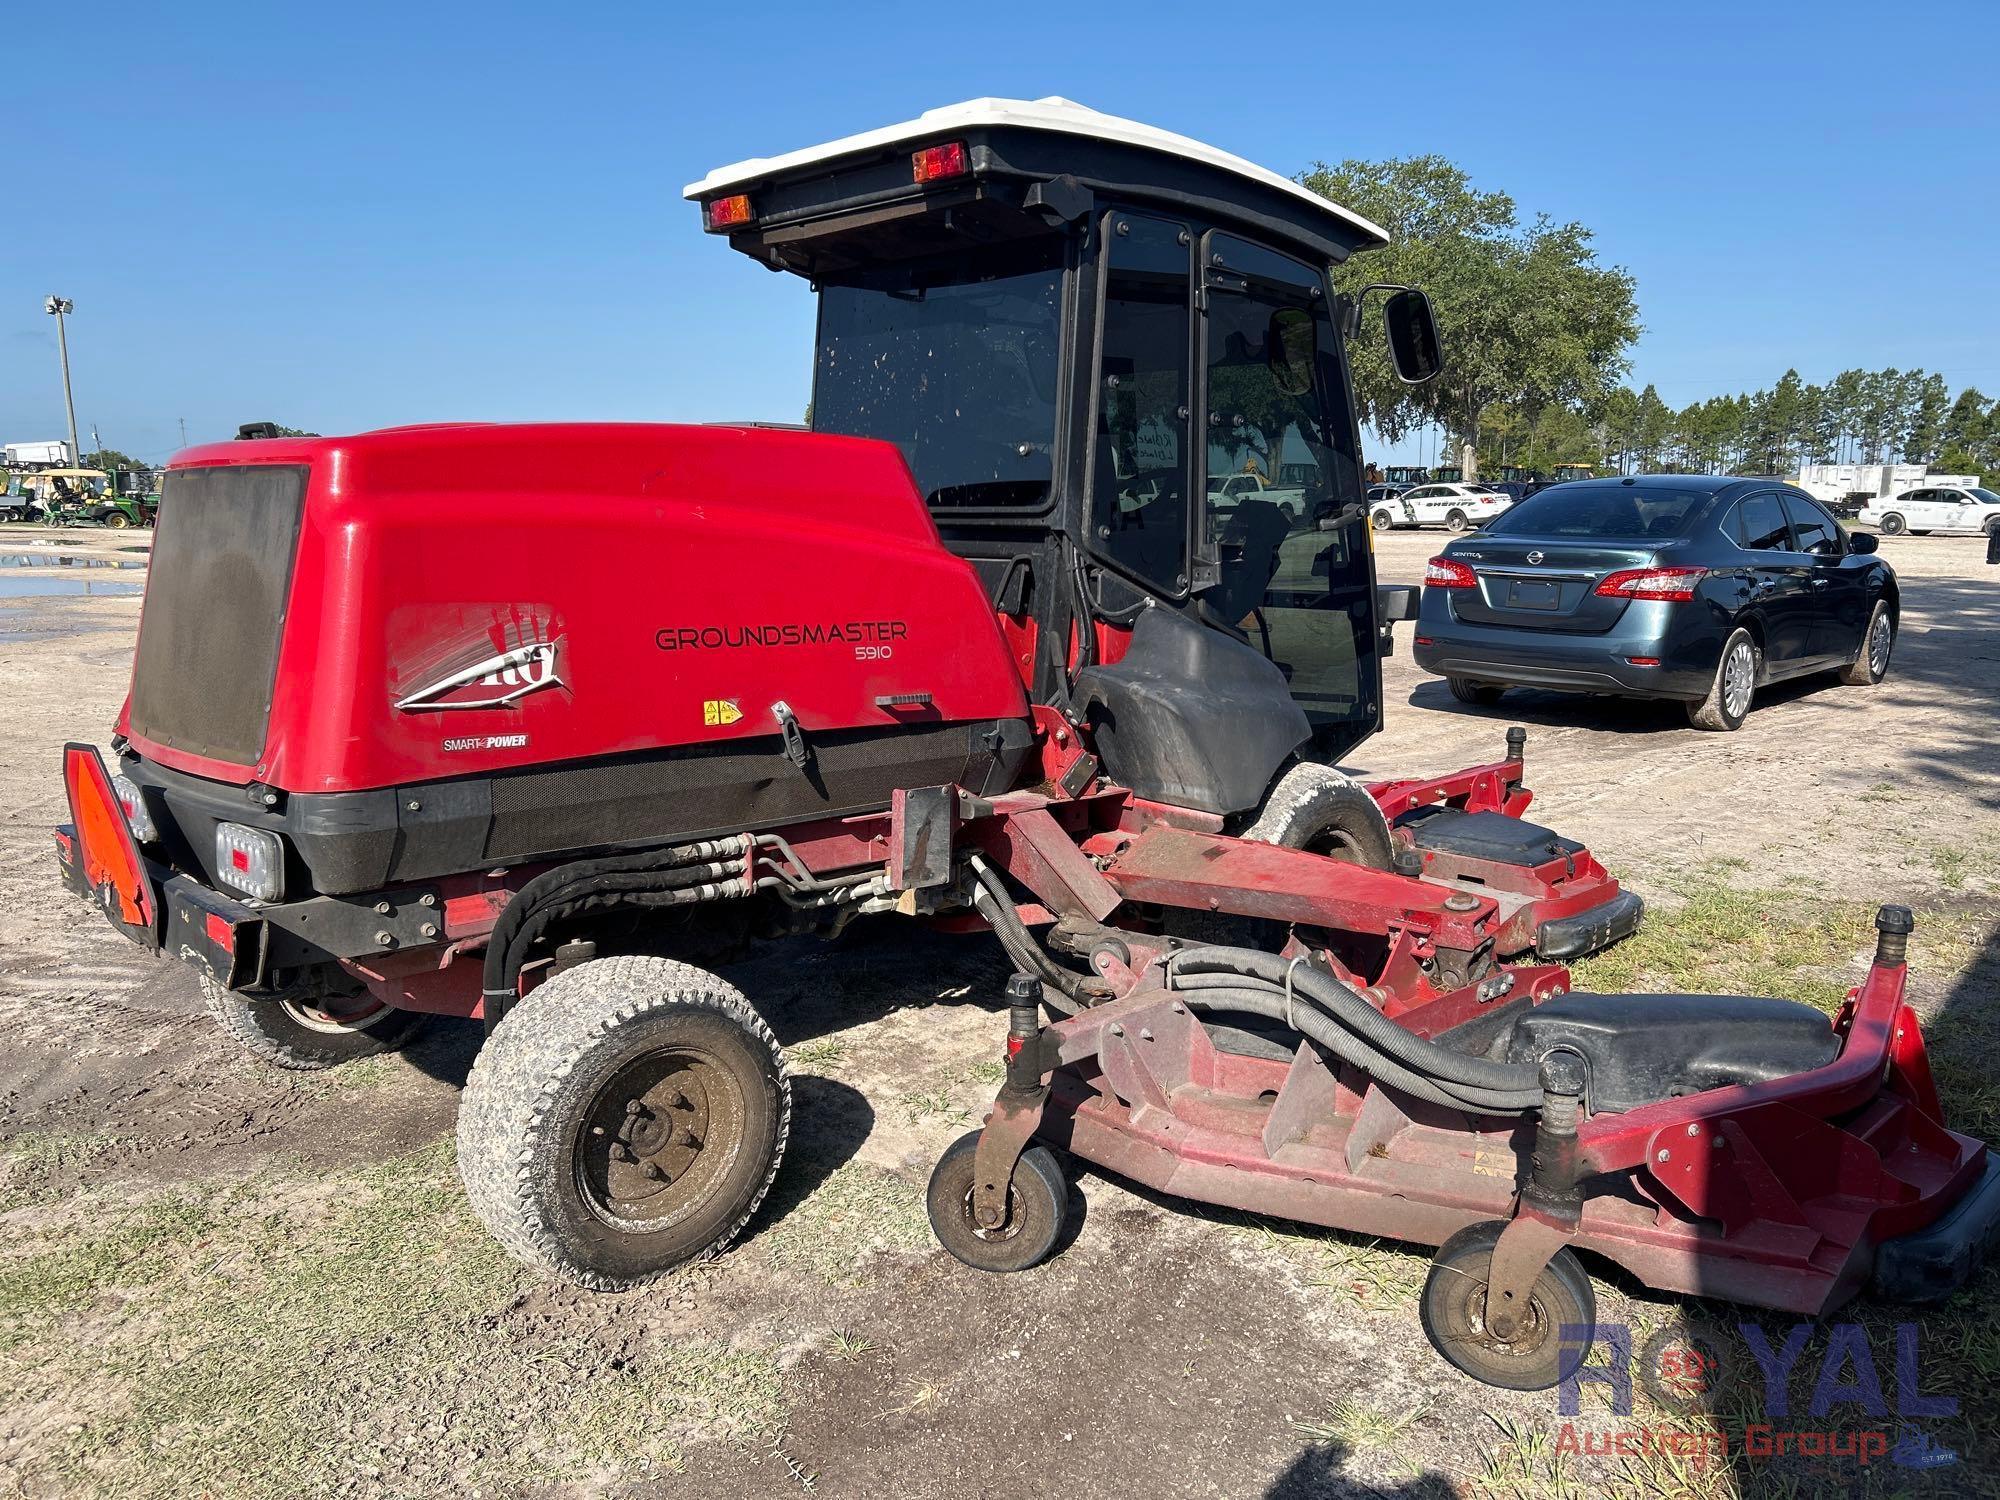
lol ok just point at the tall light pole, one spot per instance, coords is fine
(57, 308)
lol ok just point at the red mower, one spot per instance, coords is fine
(1052, 627)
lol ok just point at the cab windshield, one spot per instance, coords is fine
(955, 361)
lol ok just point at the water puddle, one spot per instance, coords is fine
(35, 587)
(47, 560)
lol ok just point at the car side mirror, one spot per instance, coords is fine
(1412, 328)
(1861, 541)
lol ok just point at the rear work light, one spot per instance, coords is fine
(134, 808)
(1444, 573)
(1674, 585)
(726, 213)
(934, 163)
(251, 860)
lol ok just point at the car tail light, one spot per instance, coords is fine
(251, 860)
(134, 807)
(1444, 573)
(934, 163)
(1674, 585)
(726, 213)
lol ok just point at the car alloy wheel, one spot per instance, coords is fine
(1739, 679)
(1881, 637)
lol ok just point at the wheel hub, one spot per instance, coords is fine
(658, 1137)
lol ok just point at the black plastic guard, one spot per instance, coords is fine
(1563, 938)
(1192, 716)
(1928, 1265)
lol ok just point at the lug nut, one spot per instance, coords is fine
(652, 1170)
(385, 939)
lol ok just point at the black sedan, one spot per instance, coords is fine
(1695, 588)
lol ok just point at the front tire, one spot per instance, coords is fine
(1382, 521)
(1728, 702)
(628, 1116)
(1878, 643)
(1478, 694)
(117, 520)
(308, 1029)
(1894, 525)
(1456, 521)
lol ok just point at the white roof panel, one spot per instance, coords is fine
(1034, 114)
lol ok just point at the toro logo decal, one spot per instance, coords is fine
(493, 683)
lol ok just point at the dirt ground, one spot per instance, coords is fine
(216, 1277)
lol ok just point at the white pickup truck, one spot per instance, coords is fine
(1964, 509)
(1227, 491)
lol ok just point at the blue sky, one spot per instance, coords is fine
(340, 217)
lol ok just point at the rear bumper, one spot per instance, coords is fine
(1584, 664)
(1930, 1264)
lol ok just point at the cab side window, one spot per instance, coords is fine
(1142, 471)
(1761, 525)
(1813, 528)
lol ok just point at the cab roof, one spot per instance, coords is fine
(1052, 115)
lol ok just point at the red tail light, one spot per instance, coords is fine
(1674, 585)
(1444, 573)
(934, 163)
(726, 213)
(110, 858)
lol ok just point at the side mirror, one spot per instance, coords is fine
(1413, 336)
(1862, 541)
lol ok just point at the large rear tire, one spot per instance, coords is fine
(1318, 808)
(625, 1118)
(306, 1028)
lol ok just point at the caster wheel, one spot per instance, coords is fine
(1454, 1315)
(1037, 1209)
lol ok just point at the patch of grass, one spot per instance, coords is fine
(1950, 865)
(959, 1096)
(1881, 791)
(1356, 1425)
(1724, 938)
(35, 1158)
(1364, 1273)
(847, 1347)
(820, 1055)
(284, 1339)
(857, 1212)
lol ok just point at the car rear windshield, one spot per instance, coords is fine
(1606, 510)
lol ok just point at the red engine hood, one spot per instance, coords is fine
(471, 598)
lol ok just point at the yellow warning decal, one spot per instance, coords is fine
(721, 711)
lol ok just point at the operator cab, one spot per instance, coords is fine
(1113, 358)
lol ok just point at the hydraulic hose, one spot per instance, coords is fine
(1417, 1053)
(719, 866)
(991, 900)
(1302, 1014)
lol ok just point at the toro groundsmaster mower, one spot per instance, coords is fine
(529, 723)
